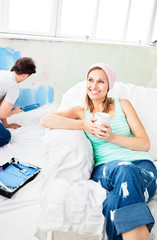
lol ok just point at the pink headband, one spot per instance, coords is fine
(109, 72)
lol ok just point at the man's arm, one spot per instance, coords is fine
(6, 109)
(4, 122)
(11, 125)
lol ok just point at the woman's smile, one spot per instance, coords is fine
(94, 92)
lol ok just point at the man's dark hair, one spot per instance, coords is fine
(24, 65)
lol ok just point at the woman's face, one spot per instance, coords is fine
(97, 85)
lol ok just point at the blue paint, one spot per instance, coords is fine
(50, 94)
(25, 98)
(8, 57)
(40, 95)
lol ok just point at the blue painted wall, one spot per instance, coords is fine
(8, 57)
(27, 96)
(40, 95)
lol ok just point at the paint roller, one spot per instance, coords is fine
(30, 107)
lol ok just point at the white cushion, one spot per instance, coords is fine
(144, 101)
(74, 96)
(69, 200)
(68, 154)
(142, 98)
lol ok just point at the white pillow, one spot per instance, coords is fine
(74, 96)
(144, 101)
(68, 154)
(69, 200)
(142, 98)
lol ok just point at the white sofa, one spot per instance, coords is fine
(71, 204)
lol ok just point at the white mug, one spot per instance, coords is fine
(101, 117)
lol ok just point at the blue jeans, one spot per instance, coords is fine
(5, 135)
(130, 186)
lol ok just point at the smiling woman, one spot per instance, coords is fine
(123, 139)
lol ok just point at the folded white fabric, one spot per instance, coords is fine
(84, 207)
(72, 206)
(68, 154)
(69, 200)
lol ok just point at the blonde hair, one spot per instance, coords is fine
(88, 102)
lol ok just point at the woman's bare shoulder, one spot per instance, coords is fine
(127, 107)
(125, 103)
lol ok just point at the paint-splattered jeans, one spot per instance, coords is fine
(130, 186)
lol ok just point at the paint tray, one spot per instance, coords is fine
(14, 175)
(30, 107)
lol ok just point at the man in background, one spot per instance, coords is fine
(9, 92)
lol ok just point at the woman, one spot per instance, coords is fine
(123, 165)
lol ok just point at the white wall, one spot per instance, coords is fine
(62, 64)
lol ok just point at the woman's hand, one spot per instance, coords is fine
(104, 132)
(90, 126)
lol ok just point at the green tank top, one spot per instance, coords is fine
(104, 151)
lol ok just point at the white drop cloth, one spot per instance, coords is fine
(25, 145)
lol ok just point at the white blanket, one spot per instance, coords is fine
(69, 200)
(25, 145)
